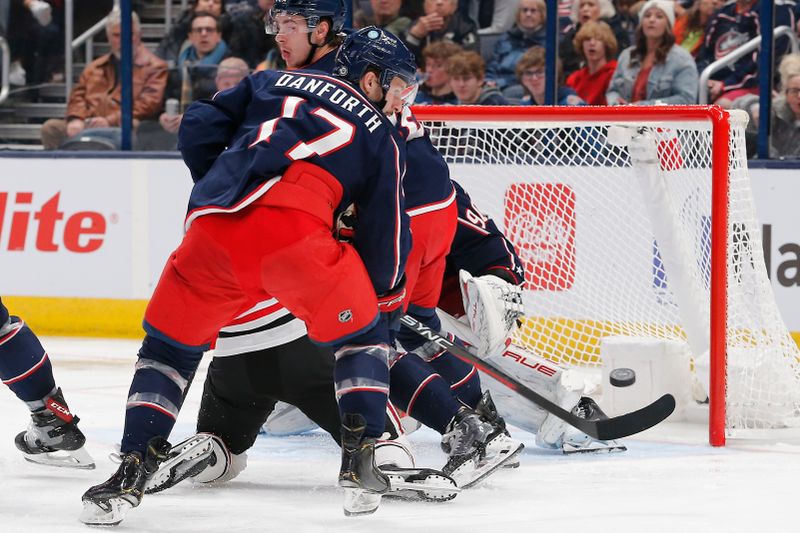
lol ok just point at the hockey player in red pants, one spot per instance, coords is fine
(53, 437)
(260, 223)
(265, 337)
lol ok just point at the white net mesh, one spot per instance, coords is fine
(615, 235)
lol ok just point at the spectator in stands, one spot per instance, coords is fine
(243, 32)
(655, 69)
(412, 9)
(34, 41)
(467, 74)
(193, 79)
(440, 22)
(530, 71)
(435, 88)
(95, 101)
(492, 16)
(230, 72)
(732, 26)
(528, 31)
(385, 15)
(163, 135)
(584, 11)
(597, 47)
(690, 29)
(784, 138)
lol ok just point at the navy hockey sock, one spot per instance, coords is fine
(3, 315)
(422, 393)
(464, 380)
(361, 378)
(24, 365)
(156, 394)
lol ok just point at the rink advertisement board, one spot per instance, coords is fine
(92, 228)
(102, 228)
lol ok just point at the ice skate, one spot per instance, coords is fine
(362, 480)
(474, 454)
(107, 504)
(501, 447)
(424, 484)
(578, 442)
(53, 437)
(202, 457)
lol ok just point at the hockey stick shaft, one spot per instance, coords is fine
(605, 429)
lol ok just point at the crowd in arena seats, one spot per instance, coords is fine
(475, 52)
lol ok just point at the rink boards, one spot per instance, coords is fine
(83, 240)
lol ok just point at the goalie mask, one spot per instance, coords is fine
(374, 48)
(286, 15)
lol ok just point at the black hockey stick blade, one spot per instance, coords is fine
(606, 429)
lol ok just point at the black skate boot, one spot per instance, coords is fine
(500, 442)
(53, 437)
(466, 442)
(362, 480)
(107, 503)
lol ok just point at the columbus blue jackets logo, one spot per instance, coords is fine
(345, 316)
(729, 42)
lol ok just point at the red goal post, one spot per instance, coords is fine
(686, 166)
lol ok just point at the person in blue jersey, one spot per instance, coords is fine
(275, 160)
(266, 340)
(52, 437)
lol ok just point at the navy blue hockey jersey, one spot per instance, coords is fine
(479, 246)
(236, 143)
(729, 29)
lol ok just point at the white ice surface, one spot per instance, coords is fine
(669, 480)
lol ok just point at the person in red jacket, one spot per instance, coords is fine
(597, 48)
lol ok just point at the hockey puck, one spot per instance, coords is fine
(622, 377)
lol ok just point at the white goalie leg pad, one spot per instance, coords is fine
(395, 452)
(553, 430)
(492, 307)
(222, 464)
(286, 419)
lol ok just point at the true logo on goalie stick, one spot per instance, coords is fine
(540, 222)
(345, 316)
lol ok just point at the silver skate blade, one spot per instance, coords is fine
(94, 514)
(359, 502)
(466, 477)
(173, 469)
(432, 488)
(79, 458)
(594, 446)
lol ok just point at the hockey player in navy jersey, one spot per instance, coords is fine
(304, 31)
(260, 224)
(53, 437)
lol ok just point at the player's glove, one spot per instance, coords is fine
(390, 303)
(345, 227)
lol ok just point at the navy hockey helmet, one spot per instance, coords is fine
(313, 11)
(373, 47)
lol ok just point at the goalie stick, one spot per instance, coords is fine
(606, 429)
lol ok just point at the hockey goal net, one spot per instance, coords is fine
(634, 222)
